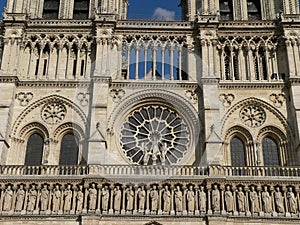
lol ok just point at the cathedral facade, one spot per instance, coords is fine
(107, 120)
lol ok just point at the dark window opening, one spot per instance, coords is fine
(51, 9)
(82, 68)
(69, 150)
(37, 67)
(226, 10)
(237, 152)
(74, 67)
(254, 9)
(45, 67)
(34, 151)
(81, 9)
(270, 152)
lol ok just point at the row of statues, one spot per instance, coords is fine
(149, 199)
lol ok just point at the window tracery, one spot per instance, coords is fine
(53, 112)
(253, 115)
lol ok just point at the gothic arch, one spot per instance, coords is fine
(31, 128)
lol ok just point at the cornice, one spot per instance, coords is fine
(61, 84)
(251, 85)
(154, 84)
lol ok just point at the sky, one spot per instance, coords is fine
(145, 8)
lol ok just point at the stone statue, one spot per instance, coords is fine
(254, 200)
(240, 200)
(228, 199)
(130, 197)
(117, 198)
(105, 198)
(68, 198)
(79, 197)
(190, 196)
(278, 200)
(163, 155)
(44, 198)
(56, 199)
(291, 200)
(202, 200)
(146, 153)
(155, 148)
(167, 199)
(178, 199)
(32, 196)
(20, 196)
(215, 198)
(141, 196)
(154, 199)
(266, 200)
(92, 197)
(7, 198)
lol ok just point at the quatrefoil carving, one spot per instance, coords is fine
(24, 98)
(226, 99)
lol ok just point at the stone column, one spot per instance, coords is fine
(135, 210)
(287, 214)
(50, 199)
(247, 207)
(272, 190)
(172, 61)
(223, 211)
(37, 199)
(86, 187)
(197, 200)
(160, 191)
(123, 211)
(235, 212)
(147, 212)
(98, 209)
(184, 192)
(208, 187)
(137, 51)
(259, 189)
(73, 209)
(111, 206)
(163, 62)
(172, 187)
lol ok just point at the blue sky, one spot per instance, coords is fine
(141, 7)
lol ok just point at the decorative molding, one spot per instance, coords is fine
(117, 94)
(83, 98)
(192, 95)
(277, 99)
(54, 112)
(253, 115)
(24, 98)
(226, 99)
(154, 85)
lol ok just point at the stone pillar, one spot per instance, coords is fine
(247, 205)
(73, 208)
(147, 212)
(135, 210)
(86, 192)
(184, 192)
(223, 211)
(111, 206)
(98, 209)
(234, 190)
(37, 200)
(197, 212)
(123, 211)
(160, 191)
(172, 213)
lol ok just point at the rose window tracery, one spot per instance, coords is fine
(253, 115)
(54, 112)
(154, 135)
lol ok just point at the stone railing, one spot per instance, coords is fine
(154, 24)
(253, 192)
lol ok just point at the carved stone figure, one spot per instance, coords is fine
(178, 199)
(190, 196)
(278, 200)
(44, 198)
(163, 155)
(7, 198)
(56, 199)
(215, 198)
(266, 200)
(117, 198)
(154, 199)
(254, 200)
(92, 197)
(292, 201)
(202, 200)
(228, 199)
(141, 196)
(79, 197)
(130, 197)
(68, 199)
(146, 153)
(167, 199)
(20, 196)
(32, 196)
(105, 198)
(240, 200)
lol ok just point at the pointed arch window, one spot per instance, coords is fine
(226, 10)
(237, 152)
(69, 150)
(51, 9)
(34, 150)
(254, 9)
(81, 9)
(270, 152)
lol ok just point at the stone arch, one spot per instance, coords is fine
(245, 135)
(173, 101)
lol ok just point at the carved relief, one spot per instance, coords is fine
(54, 112)
(253, 115)
(117, 94)
(83, 98)
(24, 98)
(277, 99)
(226, 99)
(192, 95)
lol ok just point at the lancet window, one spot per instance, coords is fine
(81, 9)
(226, 10)
(51, 9)
(237, 152)
(156, 58)
(254, 9)
(34, 150)
(270, 152)
(69, 150)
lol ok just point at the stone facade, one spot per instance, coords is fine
(105, 120)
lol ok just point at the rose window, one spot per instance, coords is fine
(54, 112)
(154, 135)
(253, 115)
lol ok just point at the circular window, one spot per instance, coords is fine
(154, 135)
(253, 115)
(53, 113)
